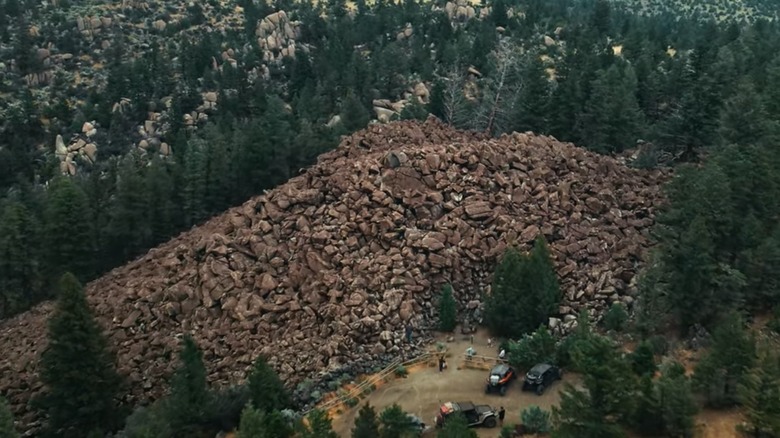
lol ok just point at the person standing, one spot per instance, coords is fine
(441, 363)
(409, 333)
(501, 414)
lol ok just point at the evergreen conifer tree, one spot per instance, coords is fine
(456, 427)
(366, 425)
(501, 309)
(68, 232)
(7, 429)
(760, 395)
(266, 390)
(447, 310)
(525, 292)
(320, 426)
(20, 276)
(733, 353)
(354, 115)
(77, 369)
(189, 390)
(395, 423)
(676, 401)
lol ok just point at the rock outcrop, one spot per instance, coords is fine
(323, 272)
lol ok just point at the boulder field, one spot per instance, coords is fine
(322, 273)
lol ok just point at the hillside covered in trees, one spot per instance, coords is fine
(124, 124)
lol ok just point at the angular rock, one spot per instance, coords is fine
(328, 268)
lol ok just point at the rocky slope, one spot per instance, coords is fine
(323, 272)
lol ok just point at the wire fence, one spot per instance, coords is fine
(361, 388)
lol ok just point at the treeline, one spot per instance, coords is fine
(645, 390)
(608, 79)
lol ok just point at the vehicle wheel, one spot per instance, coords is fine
(502, 391)
(490, 422)
(540, 390)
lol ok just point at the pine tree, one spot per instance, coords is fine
(354, 115)
(501, 306)
(77, 369)
(7, 429)
(612, 120)
(456, 426)
(643, 359)
(646, 418)
(616, 317)
(266, 390)
(695, 267)
(531, 349)
(160, 204)
(395, 423)
(195, 181)
(759, 393)
(447, 310)
(366, 425)
(258, 424)
(189, 390)
(68, 232)
(545, 291)
(128, 229)
(676, 401)
(218, 176)
(608, 396)
(535, 419)
(20, 276)
(319, 426)
(733, 353)
(743, 119)
(252, 424)
(525, 292)
(534, 98)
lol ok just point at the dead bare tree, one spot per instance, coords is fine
(500, 90)
(455, 104)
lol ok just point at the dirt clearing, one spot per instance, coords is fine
(425, 388)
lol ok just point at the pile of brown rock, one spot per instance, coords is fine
(325, 271)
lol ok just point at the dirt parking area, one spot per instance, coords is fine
(425, 388)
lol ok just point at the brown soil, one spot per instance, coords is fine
(718, 424)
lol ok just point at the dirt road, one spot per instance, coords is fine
(424, 389)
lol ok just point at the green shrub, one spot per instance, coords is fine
(401, 371)
(507, 432)
(535, 419)
(316, 396)
(643, 360)
(616, 318)
(532, 349)
(225, 407)
(352, 402)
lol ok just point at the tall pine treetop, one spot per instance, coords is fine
(77, 369)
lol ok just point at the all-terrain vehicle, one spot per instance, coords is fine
(540, 377)
(500, 377)
(476, 415)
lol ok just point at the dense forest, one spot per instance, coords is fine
(690, 90)
(592, 73)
